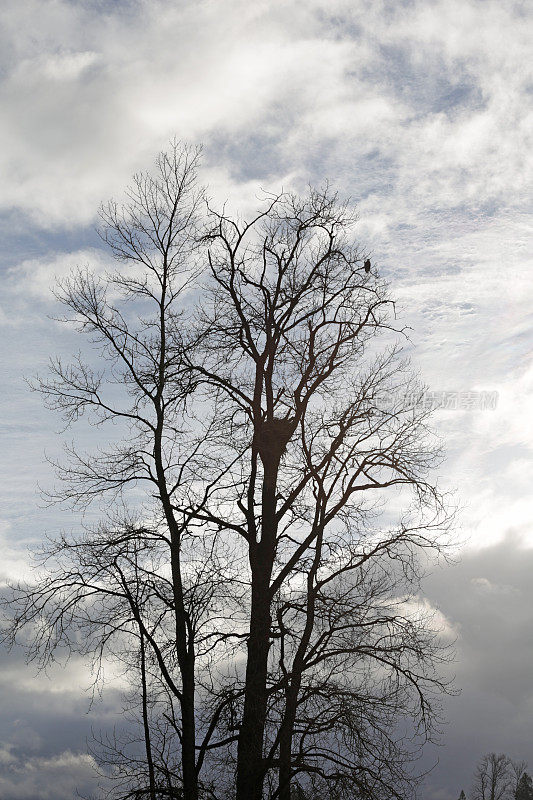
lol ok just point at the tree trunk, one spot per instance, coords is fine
(188, 748)
(184, 643)
(186, 657)
(285, 742)
(250, 767)
(146, 725)
(293, 689)
(250, 748)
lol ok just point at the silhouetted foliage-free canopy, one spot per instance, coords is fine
(248, 572)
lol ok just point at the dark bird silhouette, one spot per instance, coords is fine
(367, 265)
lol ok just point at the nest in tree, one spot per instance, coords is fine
(273, 436)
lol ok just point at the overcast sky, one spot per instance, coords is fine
(421, 112)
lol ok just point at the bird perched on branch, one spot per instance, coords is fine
(367, 265)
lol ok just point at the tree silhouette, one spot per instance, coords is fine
(247, 570)
(492, 780)
(524, 789)
(517, 769)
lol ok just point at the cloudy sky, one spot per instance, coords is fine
(421, 112)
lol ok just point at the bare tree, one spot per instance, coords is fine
(357, 658)
(154, 235)
(492, 780)
(269, 426)
(107, 595)
(289, 322)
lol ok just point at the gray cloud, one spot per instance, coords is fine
(59, 777)
(45, 727)
(488, 599)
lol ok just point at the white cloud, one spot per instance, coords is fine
(88, 97)
(37, 277)
(54, 778)
(14, 559)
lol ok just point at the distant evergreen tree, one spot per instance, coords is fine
(462, 796)
(524, 790)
